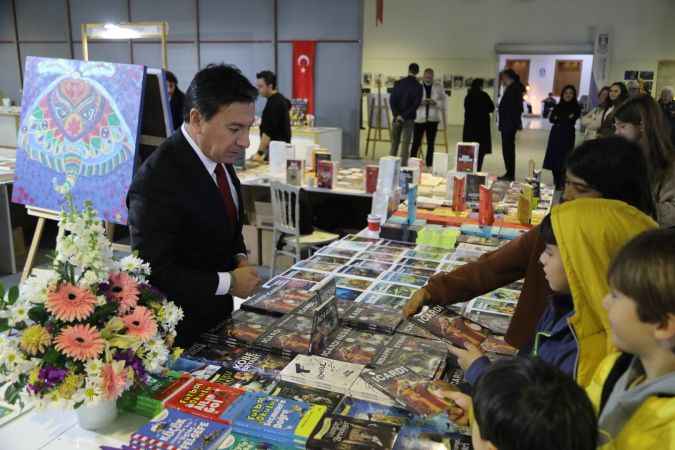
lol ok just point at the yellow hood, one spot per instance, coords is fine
(590, 232)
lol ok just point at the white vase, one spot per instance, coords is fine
(98, 415)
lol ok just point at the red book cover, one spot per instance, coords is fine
(458, 194)
(371, 175)
(325, 174)
(205, 399)
(486, 212)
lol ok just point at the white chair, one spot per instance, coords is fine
(286, 210)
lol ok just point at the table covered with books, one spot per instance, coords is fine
(319, 358)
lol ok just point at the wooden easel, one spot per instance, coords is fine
(374, 134)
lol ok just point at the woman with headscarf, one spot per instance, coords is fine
(477, 109)
(561, 139)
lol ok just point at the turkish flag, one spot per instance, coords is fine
(304, 53)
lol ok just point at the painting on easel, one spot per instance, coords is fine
(78, 134)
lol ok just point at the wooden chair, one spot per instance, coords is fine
(286, 211)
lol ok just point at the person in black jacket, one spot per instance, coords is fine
(477, 109)
(185, 204)
(404, 101)
(510, 121)
(561, 139)
(275, 123)
(177, 99)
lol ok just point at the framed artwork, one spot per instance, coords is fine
(78, 134)
(647, 75)
(457, 81)
(630, 75)
(447, 81)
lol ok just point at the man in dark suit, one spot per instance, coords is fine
(185, 204)
(177, 99)
(404, 100)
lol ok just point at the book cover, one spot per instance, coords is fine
(404, 278)
(372, 318)
(196, 369)
(479, 240)
(325, 174)
(390, 249)
(246, 381)
(342, 306)
(376, 256)
(361, 390)
(314, 277)
(382, 301)
(324, 322)
(373, 412)
(398, 290)
(319, 156)
(317, 265)
(291, 335)
(295, 172)
(330, 259)
(347, 433)
(370, 178)
(410, 328)
(326, 288)
(410, 270)
(358, 347)
(473, 183)
(419, 263)
(376, 266)
(322, 373)
(240, 358)
(503, 294)
(492, 306)
(173, 429)
(242, 327)
(158, 389)
(427, 253)
(204, 399)
(496, 323)
(359, 284)
(283, 421)
(347, 295)
(308, 394)
(357, 271)
(289, 283)
(277, 302)
(467, 157)
(450, 327)
(425, 364)
(338, 252)
(417, 394)
(478, 248)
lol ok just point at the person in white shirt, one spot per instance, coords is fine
(429, 114)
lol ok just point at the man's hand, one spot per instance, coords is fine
(467, 355)
(420, 298)
(245, 282)
(460, 414)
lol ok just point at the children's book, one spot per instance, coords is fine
(347, 433)
(173, 429)
(204, 399)
(372, 318)
(322, 373)
(304, 393)
(277, 419)
(415, 393)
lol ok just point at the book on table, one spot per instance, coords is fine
(205, 399)
(348, 433)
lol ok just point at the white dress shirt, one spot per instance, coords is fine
(224, 278)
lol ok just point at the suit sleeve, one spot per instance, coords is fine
(492, 271)
(394, 100)
(415, 101)
(155, 228)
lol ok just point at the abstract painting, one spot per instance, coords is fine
(78, 133)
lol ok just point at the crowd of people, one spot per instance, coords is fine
(595, 322)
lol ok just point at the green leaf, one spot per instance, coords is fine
(2, 292)
(13, 294)
(4, 325)
(38, 314)
(51, 356)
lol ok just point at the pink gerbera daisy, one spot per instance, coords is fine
(124, 290)
(69, 303)
(140, 323)
(80, 342)
(114, 377)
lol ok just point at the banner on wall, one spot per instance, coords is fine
(304, 56)
(601, 63)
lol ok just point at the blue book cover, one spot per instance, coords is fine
(284, 421)
(373, 412)
(176, 429)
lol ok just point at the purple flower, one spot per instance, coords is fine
(48, 378)
(131, 360)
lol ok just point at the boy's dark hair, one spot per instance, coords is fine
(644, 270)
(546, 231)
(527, 404)
(616, 168)
(216, 86)
(170, 77)
(414, 68)
(268, 77)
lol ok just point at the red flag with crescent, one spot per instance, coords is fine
(304, 53)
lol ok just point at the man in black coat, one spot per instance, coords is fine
(510, 121)
(185, 204)
(404, 101)
(176, 99)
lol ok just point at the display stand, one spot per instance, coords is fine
(377, 111)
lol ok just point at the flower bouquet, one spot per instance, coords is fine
(87, 330)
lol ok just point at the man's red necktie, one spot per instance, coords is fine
(224, 187)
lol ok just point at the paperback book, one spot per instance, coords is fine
(410, 328)
(396, 251)
(372, 318)
(398, 290)
(376, 266)
(322, 373)
(338, 252)
(382, 301)
(362, 272)
(173, 429)
(150, 400)
(503, 294)
(308, 394)
(410, 270)
(314, 277)
(449, 327)
(349, 295)
(239, 358)
(404, 278)
(425, 255)
(317, 265)
(347, 433)
(277, 419)
(288, 283)
(361, 390)
(278, 302)
(359, 284)
(375, 256)
(488, 305)
(326, 174)
(496, 323)
(373, 412)
(243, 327)
(295, 172)
(291, 335)
(415, 393)
(204, 399)
(419, 263)
(246, 381)
(358, 347)
(196, 369)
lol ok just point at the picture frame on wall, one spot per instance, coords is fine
(447, 81)
(367, 79)
(647, 75)
(457, 81)
(629, 75)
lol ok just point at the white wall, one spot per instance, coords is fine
(459, 36)
(539, 85)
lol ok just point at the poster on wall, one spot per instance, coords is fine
(601, 63)
(78, 134)
(629, 75)
(647, 75)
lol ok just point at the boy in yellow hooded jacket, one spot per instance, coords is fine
(633, 392)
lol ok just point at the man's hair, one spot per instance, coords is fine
(644, 270)
(428, 70)
(527, 404)
(216, 86)
(170, 77)
(414, 68)
(616, 168)
(268, 77)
